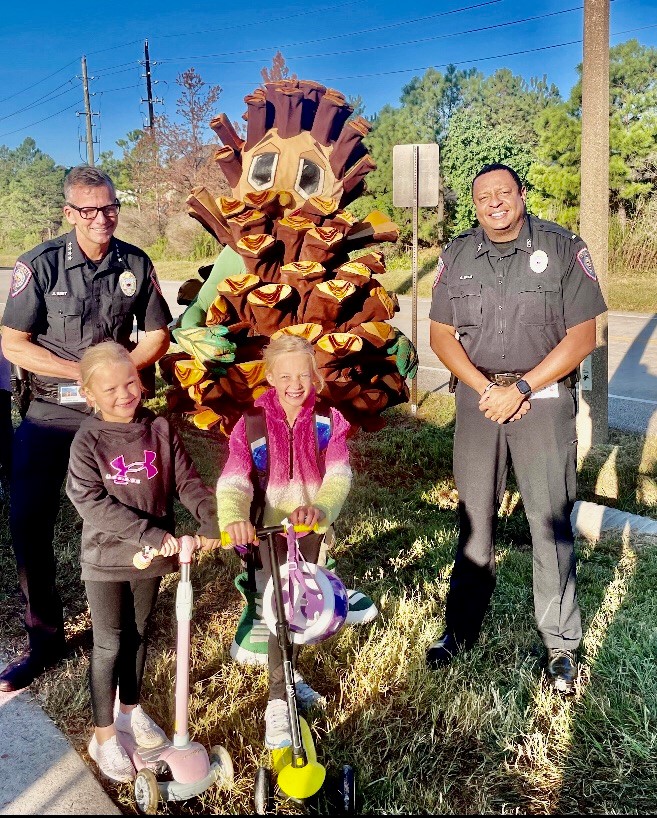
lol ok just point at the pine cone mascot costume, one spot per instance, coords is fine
(289, 242)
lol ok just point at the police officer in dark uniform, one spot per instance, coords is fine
(512, 316)
(65, 295)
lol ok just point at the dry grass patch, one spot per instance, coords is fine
(481, 736)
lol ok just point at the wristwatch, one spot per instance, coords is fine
(524, 388)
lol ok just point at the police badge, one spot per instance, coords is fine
(128, 282)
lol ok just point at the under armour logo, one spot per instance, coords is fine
(122, 470)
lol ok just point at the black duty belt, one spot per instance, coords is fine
(508, 378)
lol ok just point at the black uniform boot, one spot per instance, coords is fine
(562, 670)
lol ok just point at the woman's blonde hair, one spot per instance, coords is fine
(292, 345)
(99, 356)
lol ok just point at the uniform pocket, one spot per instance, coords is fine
(540, 302)
(65, 318)
(465, 300)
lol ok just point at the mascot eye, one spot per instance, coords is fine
(263, 170)
(310, 178)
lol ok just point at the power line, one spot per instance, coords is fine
(375, 47)
(41, 101)
(358, 33)
(235, 27)
(120, 66)
(38, 82)
(39, 121)
(481, 59)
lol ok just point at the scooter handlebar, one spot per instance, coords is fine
(226, 541)
(188, 544)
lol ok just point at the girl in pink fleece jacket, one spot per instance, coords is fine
(296, 489)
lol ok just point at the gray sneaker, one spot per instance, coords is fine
(277, 725)
(112, 760)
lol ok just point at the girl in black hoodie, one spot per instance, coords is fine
(126, 467)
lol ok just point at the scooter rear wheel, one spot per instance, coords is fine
(263, 791)
(147, 793)
(347, 790)
(219, 755)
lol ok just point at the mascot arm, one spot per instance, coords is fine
(228, 263)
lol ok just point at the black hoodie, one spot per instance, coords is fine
(123, 478)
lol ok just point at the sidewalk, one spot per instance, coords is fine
(40, 772)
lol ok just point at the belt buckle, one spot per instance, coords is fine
(506, 378)
(69, 393)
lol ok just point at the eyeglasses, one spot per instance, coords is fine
(110, 211)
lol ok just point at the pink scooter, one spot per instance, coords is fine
(178, 769)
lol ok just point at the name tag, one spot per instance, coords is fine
(551, 391)
(69, 393)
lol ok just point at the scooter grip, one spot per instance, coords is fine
(226, 541)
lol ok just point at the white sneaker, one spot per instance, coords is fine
(112, 759)
(307, 698)
(141, 727)
(277, 725)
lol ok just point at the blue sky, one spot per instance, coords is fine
(362, 48)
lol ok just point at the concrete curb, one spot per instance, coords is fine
(40, 772)
(592, 520)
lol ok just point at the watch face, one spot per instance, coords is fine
(523, 387)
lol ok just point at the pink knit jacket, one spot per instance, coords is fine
(290, 485)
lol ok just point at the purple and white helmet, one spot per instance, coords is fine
(316, 603)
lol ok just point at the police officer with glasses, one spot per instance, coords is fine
(512, 316)
(65, 295)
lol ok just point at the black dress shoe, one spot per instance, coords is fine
(442, 652)
(23, 671)
(562, 670)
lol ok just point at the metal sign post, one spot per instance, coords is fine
(415, 183)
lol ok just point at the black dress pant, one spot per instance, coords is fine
(542, 446)
(120, 615)
(40, 461)
(309, 545)
(6, 435)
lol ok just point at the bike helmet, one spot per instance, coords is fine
(315, 600)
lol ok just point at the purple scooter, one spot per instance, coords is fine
(178, 769)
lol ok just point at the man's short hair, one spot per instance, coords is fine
(498, 166)
(86, 176)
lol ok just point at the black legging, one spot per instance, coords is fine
(309, 546)
(120, 614)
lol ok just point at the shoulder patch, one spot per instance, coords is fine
(439, 271)
(586, 263)
(20, 278)
(155, 281)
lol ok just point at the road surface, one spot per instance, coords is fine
(632, 358)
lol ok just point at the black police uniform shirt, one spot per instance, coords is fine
(68, 303)
(512, 307)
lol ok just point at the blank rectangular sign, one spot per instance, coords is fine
(428, 176)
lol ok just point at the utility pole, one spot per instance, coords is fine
(149, 89)
(88, 114)
(593, 416)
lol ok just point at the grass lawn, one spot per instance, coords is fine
(482, 736)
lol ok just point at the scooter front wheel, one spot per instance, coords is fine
(147, 793)
(264, 794)
(347, 790)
